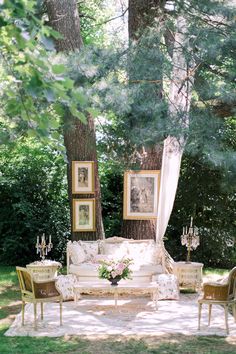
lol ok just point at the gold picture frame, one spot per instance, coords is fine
(84, 215)
(141, 194)
(83, 177)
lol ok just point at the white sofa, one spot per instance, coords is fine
(83, 257)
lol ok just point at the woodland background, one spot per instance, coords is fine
(40, 86)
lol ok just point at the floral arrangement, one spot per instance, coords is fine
(115, 269)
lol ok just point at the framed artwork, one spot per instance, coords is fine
(84, 215)
(82, 177)
(141, 192)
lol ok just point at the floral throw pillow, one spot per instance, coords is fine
(168, 287)
(65, 285)
(77, 253)
(90, 249)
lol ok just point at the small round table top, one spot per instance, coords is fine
(188, 265)
(44, 263)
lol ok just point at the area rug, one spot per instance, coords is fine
(97, 316)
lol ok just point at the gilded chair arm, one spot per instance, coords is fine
(213, 291)
(44, 289)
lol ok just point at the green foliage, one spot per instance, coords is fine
(33, 200)
(111, 179)
(202, 193)
(36, 89)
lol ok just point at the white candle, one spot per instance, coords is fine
(50, 239)
(183, 230)
(37, 240)
(191, 223)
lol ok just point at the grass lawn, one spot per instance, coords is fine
(10, 305)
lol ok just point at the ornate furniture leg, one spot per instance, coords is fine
(41, 311)
(61, 312)
(35, 315)
(199, 315)
(23, 313)
(209, 314)
(226, 318)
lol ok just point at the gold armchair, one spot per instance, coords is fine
(221, 294)
(37, 292)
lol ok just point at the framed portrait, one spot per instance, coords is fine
(82, 177)
(84, 215)
(141, 193)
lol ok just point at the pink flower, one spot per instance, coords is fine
(114, 274)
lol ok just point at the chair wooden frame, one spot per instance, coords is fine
(36, 291)
(219, 294)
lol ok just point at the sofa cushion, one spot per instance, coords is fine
(91, 270)
(77, 253)
(90, 249)
(149, 269)
(84, 269)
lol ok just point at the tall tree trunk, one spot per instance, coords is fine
(141, 15)
(79, 138)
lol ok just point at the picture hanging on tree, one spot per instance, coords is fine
(82, 177)
(84, 215)
(141, 192)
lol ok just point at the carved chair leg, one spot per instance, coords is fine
(23, 313)
(35, 316)
(199, 314)
(234, 311)
(226, 319)
(209, 314)
(41, 310)
(60, 312)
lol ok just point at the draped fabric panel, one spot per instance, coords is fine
(171, 160)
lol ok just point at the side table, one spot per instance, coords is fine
(44, 270)
(189, 275)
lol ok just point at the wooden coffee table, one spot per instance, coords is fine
(100, 288)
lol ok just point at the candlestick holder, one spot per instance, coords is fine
(42, 247)
(190, 238)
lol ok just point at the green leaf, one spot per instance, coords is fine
(58, 68)
(78, 114)
(79, 97)
(94, 112)
(68, 83)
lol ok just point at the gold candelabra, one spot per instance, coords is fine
(42, 247)
(190, 238)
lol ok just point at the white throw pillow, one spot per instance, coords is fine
(90, 249)
(137, 252)
(115, 250)
(65, 285)
(150, 253)
(77, 253)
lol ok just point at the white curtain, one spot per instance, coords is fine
(171, 160)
